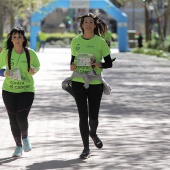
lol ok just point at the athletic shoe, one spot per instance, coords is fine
(98, 143)
(17, 152)
(26, 145)
(85, 154)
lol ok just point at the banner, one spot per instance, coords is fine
(79, 4)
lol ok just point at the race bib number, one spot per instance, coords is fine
(83, 64)
(84, 59)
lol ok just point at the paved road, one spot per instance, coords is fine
(134, 119)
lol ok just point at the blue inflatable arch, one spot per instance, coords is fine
(105, 5)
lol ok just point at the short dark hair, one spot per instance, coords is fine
(15, 30)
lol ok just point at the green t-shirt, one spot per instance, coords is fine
(42, 36)
(26, 84)
(83, 50)
(108, 36)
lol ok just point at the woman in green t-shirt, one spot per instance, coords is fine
(90, 55)
(18, 86)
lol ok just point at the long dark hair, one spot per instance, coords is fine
(101, 26)
(16, 30)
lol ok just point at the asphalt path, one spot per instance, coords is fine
(134, 120)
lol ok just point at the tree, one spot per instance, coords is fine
(18, 9)
(162, 14)
(147, 22)
(1, 20)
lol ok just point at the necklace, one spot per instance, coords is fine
(19, 57)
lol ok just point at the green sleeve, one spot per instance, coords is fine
(72, 48)
(105, 49)
(34, 61)
(3, 58)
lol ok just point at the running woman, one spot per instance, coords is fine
(90, 55)
(18, 86)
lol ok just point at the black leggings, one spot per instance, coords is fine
(88, 104)
(18, 106)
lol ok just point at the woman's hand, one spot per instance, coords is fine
(32, 70)
(7, 73)
(95, 65)
(72, 67)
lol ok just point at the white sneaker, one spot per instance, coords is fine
(17, 152)
(26, 145)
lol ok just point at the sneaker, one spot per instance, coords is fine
(26, 145)
(17, 152)
(85, 154)
(98, 143)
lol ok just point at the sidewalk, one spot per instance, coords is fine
(134, 119)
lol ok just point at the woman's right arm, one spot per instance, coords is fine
(3, 55)
(72, 65)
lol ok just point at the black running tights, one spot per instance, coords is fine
(88, 104)
(18, 106)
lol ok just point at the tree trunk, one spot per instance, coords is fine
(166, 18)
(147, 24)
(160, 31)
(1, 20)
(165, 24)
(11, 12)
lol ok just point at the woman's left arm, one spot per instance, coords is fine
(106, 64)
(35, 64)
(106, 55)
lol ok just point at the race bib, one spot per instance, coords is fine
(84, 59)
(83, 64)
(15, 74)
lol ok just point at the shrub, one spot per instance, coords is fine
(149, 51)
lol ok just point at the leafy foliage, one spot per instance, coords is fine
(150, 51)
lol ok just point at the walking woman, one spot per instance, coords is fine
(21, 64)
(90, 55)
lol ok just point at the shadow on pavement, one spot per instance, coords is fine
(7, 160)
(134, 119)
(54, 164)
